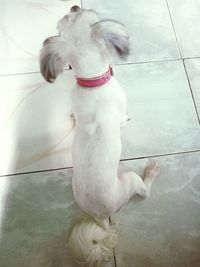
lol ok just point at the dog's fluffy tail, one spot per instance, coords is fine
(92, 243)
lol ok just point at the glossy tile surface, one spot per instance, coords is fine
(185, 16)
(164, 229)
(36, 129)
(161, 107)
(39, 213)
(151, 33)
(193, 70)
(24, 25)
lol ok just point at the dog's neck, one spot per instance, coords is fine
(95, 81)
(88, 72)
(89, 64)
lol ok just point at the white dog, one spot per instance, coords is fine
(99, 107)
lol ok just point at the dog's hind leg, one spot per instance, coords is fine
(129, 184)
(151, 171)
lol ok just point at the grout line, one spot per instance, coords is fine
(193, 99)
(115, 259)
(177, 42)
(25, 73)
(114, 255)
(163, 155)
(116, 64)
(33, 172)
(122, 160)
(147, 62)
(20, 73)
(197, 57)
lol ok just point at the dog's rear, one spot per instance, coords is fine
(86, 43)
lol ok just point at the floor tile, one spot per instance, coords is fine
(36, 129)
(37, 132)
(39, 213)
(24, 24)
(193, 69)
(185, 15)
(164, 229)
(148, 23)
(163, 117)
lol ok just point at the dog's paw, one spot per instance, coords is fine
(72, 118)
(143, 192)
(152, 170)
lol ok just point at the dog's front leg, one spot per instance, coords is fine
(72, 117)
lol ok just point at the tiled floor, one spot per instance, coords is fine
(162, 81)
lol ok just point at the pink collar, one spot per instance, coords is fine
(96, 81)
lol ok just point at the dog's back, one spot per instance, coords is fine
(97, 146)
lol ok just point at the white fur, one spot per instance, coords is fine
(86, 42)
(92, 243)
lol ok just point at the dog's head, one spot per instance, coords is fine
(81, 30)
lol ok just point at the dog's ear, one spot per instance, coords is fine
(114, 35)
(52, 59)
